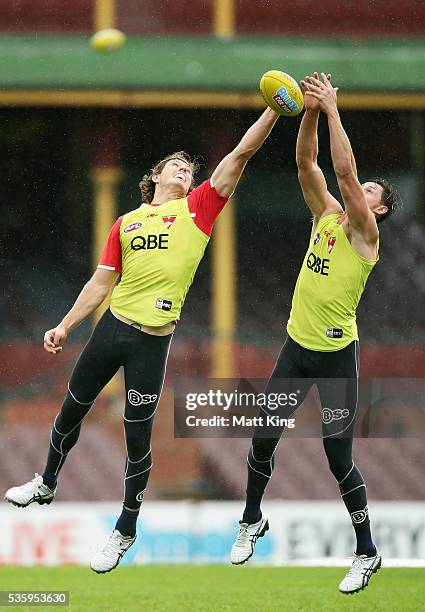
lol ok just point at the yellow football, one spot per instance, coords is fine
(282, 93)
(107, 40)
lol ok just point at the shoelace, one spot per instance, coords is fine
(112, 546)
(243, 536)
(357, 568)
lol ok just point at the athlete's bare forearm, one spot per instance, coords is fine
(310, 176)
(353, 163)
(90, 298)
(326, 99)
(228, 172)
(307, 141)
(342, 154)
(351, 190)
(257, 134)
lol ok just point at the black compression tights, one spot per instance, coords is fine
(299, 363)
(114, 344)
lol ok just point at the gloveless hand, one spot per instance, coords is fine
(54, 339)
(311, 103)
(322, 91)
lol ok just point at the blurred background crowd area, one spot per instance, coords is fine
(264, 17)
(61, 124)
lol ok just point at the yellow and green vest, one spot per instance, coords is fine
(329, 287)
(161, 250)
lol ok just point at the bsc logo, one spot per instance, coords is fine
(359, 516)
(137, 399)
(329, 415)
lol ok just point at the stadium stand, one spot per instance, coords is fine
(301, 470)
(391, 314)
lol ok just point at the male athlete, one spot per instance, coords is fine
(322, 340)
(150, 259)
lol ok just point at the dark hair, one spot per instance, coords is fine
(147, 186)
(390, 198)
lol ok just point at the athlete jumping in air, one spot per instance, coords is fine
(150, 259)
(322, 339)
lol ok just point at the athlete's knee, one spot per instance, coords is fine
(138, 436)
(262, 449)
(139, 461)
(135, 441)
(79, 397)
(139, 410)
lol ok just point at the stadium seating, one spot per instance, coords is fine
(392, 468)
(196, 468)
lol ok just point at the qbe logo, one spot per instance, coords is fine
(137, 399)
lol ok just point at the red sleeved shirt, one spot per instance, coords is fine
(204, 205)
(111, 256)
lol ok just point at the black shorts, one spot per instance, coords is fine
(295, 361)
(114, 344)
(335, 374)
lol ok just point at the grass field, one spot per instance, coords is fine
(217, 588)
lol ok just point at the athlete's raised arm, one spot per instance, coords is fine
(228, 172)
(310, 176)
(360, 215)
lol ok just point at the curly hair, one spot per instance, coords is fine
(147, 186)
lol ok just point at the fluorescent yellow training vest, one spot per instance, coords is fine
(161, 249)
(329, 287)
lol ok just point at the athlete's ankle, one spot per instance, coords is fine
(252, 511)
(251, 517)
(369, 552)
(50, 480)
(127, 521)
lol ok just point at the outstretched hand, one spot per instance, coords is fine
(319, 94)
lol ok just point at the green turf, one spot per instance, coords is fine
(216, 588)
